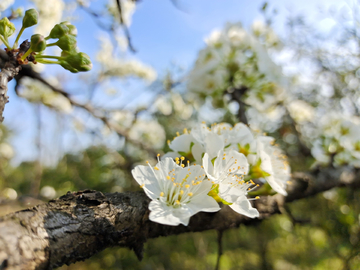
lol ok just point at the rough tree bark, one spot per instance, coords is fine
(80, 224)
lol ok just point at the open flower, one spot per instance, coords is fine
(177, 192)
(274, 163)
(203, 139)
(228, 173)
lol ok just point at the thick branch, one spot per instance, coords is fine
(11, 68)
(78, 225)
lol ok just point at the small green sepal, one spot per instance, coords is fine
(72, 28)
(58, 31)
(67, 42)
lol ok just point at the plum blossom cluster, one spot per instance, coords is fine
(229, 159)
(339, 142)
(235, 58)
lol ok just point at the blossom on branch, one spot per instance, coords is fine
(228, 174)
(273, 163)
(177, 192)
(266, 160)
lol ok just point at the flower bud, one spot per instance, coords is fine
(67, 66)
(30, 18)
(7, 28)
(80, 61)
(72, 28)
(38, 43)
(59, 30)
(67, 42)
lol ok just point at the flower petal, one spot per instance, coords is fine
(182, 143)
(145, 176)
(167, 215)
(213, 144)
(244, 207)
(208, 167)
(203, 204)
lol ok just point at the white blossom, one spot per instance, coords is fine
(113, 66)
(274, 163)
(339, 136)
(228, 173)
(176, 192)
(6, 151)
(236, 58)
(163, 105)
(150, 133)
(4, 4)
(301, 111)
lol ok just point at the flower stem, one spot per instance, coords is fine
(51, 44)
(44, 61)
(26, 54)
(5, 41)
(18, 37)
(38, 56)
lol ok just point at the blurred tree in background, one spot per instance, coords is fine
(300, 86)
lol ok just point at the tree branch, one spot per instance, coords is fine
(80, 224)
(10, 69)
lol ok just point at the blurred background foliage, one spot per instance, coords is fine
(288, 82)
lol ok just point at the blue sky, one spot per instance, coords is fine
(162, 34)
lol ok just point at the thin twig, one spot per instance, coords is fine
(237, 95)
(126, 30)
(220, 248)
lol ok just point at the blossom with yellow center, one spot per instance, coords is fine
(177, 192)
(228, 173)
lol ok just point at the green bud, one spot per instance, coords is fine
(30, 18)
(7, 28)
(59, 30)
(67, 42)
(38, 43)
(72, 28)
(80, 61)
(67, 66)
